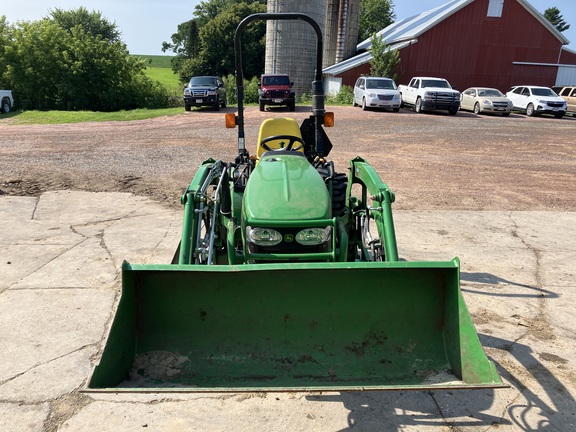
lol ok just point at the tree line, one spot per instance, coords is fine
(74, 60)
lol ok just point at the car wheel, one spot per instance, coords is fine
(364, 107)
(505, 114)
(418, 106)
(559, 115)
(6, 106)
(224, 101)
(262, 106)
(217, 105)
(395, 109)
(187, 107)
(453, 111)
(530, 110)
(354, 104)
(477, 108)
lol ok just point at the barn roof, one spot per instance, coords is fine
(406, 31)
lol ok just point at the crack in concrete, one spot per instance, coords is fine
(37, 365)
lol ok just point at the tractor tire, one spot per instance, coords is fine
(339, 188)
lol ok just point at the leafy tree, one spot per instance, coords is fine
(4, 40)
(553, 15)
(205, 44)
(68, 68)
(91, 22)
(374, 16)
(385, 62)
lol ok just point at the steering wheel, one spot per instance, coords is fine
(292, 140)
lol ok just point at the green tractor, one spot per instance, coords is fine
(285, 280)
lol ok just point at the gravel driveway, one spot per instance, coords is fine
(431, 161)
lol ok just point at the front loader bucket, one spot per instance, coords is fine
(296, 327)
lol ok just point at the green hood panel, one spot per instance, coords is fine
(286, 187)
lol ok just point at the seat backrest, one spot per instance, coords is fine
(276, 126)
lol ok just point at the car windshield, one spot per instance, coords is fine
(490, 93)
(435, 83)
(276, 80)
(203, 81)
(380, 84)
(543, 92)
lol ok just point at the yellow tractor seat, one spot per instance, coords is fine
(275, 127)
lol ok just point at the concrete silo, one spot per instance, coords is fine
(291, 45)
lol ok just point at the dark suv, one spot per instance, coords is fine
(274, 89)
(205, 91)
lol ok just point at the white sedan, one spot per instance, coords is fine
(485, 100)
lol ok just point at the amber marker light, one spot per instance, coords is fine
(329, 119)
(230, 121)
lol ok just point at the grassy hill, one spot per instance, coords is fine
(160, 69)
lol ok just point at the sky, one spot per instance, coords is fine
(145, 24)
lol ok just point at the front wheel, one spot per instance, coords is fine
(559, 115)
(262, 106)
(418, 106)
(354, 104)
(395, 109)
(6, 106)
(530, 110)
(477, 108)
(217, 105)
(364, 107)
(224, 101)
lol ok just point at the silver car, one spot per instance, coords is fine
(376, 92)
(485, 100)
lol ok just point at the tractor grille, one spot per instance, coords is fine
(385, 97)
(277, 94)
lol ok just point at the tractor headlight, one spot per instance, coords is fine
(314, 236)
(263, 236)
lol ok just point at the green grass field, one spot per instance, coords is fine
(159, 69)
(59, 117)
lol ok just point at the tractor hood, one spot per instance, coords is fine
(286, 187)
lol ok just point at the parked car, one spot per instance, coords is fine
(6, 101)
(536, 100)
(275, 89)
(376, 92)
(427, 93)
(205, 91)
(485, 100)
(568, 93)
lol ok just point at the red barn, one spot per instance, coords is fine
(491, 43)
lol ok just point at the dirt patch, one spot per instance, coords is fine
(431, 161)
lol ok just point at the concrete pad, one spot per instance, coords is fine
(58, 293)
(23, 418)
(42, 325)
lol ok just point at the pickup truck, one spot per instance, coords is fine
(6, 101)
(426, 93)
(275, 89)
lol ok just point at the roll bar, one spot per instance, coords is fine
(318, 110)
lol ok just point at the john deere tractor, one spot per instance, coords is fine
(287, 277)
